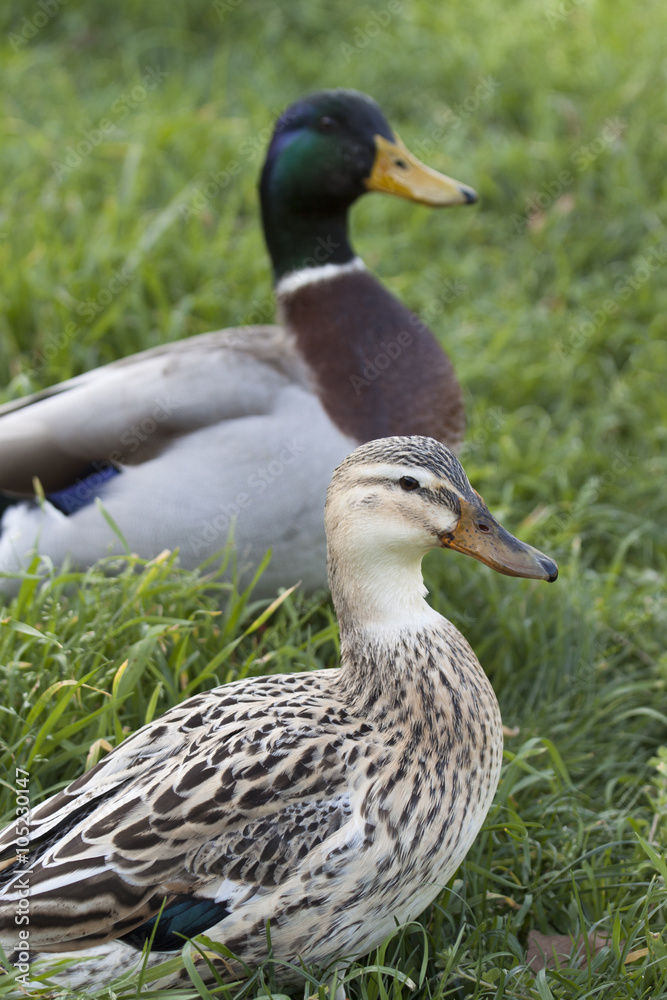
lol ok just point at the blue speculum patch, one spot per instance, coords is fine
(85, 489)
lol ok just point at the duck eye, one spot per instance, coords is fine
(326, 124)
(408, 483)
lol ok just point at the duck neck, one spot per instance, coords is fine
(379, 597)
(405, 667)
(298, 240)
(417, 676)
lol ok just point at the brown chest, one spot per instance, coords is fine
(378, 369)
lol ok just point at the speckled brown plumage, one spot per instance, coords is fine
(331, 804)
(342, 764)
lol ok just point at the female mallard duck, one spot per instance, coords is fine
(245, 425)
(332, 804)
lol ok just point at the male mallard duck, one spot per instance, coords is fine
(245, 425)
(331, 804)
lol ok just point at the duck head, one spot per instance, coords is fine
(389, 503)
(327, 150)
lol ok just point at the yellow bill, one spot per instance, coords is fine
(397, 171)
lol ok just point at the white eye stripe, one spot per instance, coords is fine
(393, 473)
(388, 473)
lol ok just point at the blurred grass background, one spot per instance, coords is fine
(551, 299)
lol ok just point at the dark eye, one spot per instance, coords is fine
(326, 124)
(408, 483)
(483, 527)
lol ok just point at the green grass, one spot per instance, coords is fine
(551, 299)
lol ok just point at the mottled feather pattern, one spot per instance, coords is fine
(263, 787)
(331, 804)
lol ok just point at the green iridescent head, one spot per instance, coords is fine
(327, 150)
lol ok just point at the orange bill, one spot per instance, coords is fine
(479, 535)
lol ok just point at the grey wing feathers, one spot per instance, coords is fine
(129, 411)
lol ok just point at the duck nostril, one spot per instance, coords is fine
(401, 164)
(483, 527)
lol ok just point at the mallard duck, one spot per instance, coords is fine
(242, 428)
(332, 804)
